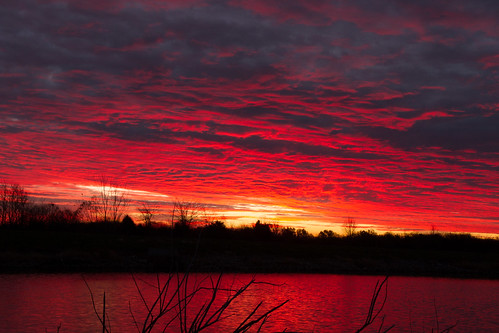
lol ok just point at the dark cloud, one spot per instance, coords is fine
(457, 133)
(369, 103)
(11, 129)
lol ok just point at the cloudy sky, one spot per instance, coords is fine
(303, 111)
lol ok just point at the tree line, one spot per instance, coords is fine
(17, 209)
(110, 206)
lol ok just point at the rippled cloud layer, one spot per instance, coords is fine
(300, 111)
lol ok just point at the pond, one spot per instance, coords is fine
(316, 302)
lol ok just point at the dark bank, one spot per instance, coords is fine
(261, 248)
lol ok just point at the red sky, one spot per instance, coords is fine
(298, 112)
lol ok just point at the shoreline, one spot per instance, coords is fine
(57, 264)
(69, 251)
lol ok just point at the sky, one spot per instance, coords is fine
(299, 112)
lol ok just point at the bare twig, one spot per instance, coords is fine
(133, 317)
(372, 314)
(102, 321)
(173, 302)
(448, 329)
(436, 314)
(445, 330)
(104, 313)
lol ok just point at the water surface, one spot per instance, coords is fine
(317, 303)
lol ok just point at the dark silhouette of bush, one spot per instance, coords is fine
(127, 223)
(43, 215)
(287, 233)
(303, 234)
(262, 231)
(327, 234)
(217, 229)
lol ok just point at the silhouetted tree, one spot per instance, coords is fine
(4, 203)
(287, 233)
(127, 222)
(434, 229)
(216, 229)
(303, 234)
(367, 233)
(46, 214)
(327, 234)
(350, 226)
(262, 230)
(219, 225)
(13, 204)
(110, 203)
(147, 213)
(185, 213)
(86, 211)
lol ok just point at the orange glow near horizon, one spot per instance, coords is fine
(245, 211)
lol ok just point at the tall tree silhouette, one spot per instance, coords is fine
(111, 202)
(147, 213)
(13, 204)
(184, 213)
(350, 226)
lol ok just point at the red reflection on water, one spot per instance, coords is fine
(319, 303)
